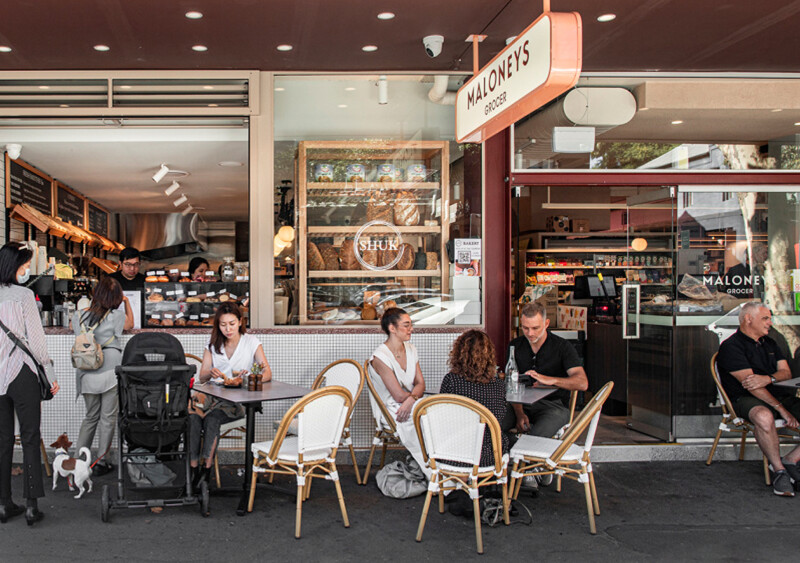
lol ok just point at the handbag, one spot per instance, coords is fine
(45, 392)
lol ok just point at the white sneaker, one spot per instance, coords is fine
(530, 482)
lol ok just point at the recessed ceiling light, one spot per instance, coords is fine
(208, 87)
(102, 48)
(199, 48)
(350, 89)
(606, 18)
(193, 15)
(230, 163)
(125, 87)
(677, 122)
(284, 47)
(213, 105)
(643, 109)
(386, 16)
(279, 89)
(798, 123)
(369, 48)
(5, 49)
(342, 106)
(44, 87)
(776, 110)
(63, 106)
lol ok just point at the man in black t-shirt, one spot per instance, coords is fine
(749, 363)
(128, 274)
(549, 360)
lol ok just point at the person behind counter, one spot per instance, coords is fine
(19, 385)
(198, 267)
(229, 351)
(99, 387)
(128, 274)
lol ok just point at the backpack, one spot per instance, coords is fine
(86, 354)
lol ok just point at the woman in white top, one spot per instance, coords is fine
(230, 351)
(19, 384)
(395, 373)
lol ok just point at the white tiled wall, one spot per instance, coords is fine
(294, 358)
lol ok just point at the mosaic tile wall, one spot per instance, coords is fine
(294, 358)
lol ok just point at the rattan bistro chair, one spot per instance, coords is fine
(731, 422)
(534, 455)
(233, 430)
(321, 416)
(350, 375)
(385, 430)
(450, 430)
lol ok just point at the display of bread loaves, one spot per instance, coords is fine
(331, 236)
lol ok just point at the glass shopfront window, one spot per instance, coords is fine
(376, 205)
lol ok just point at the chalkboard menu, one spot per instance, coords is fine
(69, 205)
(26, 184)
(98, 220)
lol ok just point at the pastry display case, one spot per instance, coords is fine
(190, 304)
(372, 228)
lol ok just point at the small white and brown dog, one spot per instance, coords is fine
(76, 468)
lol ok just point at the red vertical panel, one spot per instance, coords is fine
(497, 242)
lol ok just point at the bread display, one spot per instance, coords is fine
(389, 304)
(329, 255)
(180, 322)
(431, 261)
(168, 322)
(315, 259)
(347, 256)
(370, 257)
(380, 207)
(155, 297)
(369, 313)
(151, 279)
(406, 209)
(406, 261)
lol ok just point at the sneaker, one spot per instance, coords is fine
(782, 484)
(794, 473)
(530, 482)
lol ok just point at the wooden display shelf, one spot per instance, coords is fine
(353, 229)
(374, 274)
(599, 267)
(357, 188)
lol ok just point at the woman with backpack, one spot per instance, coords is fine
(101, 324)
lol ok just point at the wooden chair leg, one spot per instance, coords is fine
(307, 488)
(341, 499)
(216, 469)
(441, 501)
(714, 447)
(424, 516)
(369, 464)
(741, 445)
(506, 504)
(476, 507)
(355, 463)
(252, 492)
(299, 509)
(383, 454)
(271, 477)
(47, 467)
(558, 483)
(513, 481)
(767, 476)
(589, 508)
(595, 501)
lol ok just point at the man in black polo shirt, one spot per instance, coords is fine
(128, 274)
(549, 360)
(749, 363)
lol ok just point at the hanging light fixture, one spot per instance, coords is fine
(383, 90)
(286, 234)
(188, 209)
(159, 175)
(180, 201)
(639, 244)
(172, 187)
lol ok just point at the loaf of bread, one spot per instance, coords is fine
(431, 261)
(347, 256)
(315, 260)
(329, 255)
(406, 210)
(370, 257)
(406, 261)
(380, 207)
(369, 313)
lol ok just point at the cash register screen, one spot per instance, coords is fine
(608, 285)
(588, 286)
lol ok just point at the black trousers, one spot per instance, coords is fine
(22, 397)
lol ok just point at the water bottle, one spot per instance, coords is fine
(512, 373)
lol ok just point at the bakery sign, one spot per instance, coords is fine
(389, 241)
(543, 62)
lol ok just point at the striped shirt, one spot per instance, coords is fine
(19, 313)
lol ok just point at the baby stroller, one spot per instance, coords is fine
(153, 423)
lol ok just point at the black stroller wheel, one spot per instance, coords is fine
(204, 499)
(105, 506)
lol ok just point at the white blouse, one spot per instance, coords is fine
(242, 358)
(405, 377)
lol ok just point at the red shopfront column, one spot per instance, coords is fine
(497, 242)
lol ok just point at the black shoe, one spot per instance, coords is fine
(9, 510)
(33, 515)
(101, 469)
(782, 484)
(794, 473)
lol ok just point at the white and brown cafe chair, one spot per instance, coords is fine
(385, 430)
(451, 430)
(321, 416)
(731, 422)
(534, 455)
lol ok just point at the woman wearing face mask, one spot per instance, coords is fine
(19, 385)
(230, 351)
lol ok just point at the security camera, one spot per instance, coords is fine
(13, 150)
(433, 45)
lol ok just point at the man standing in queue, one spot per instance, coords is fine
(549, 360)
(750, 363)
